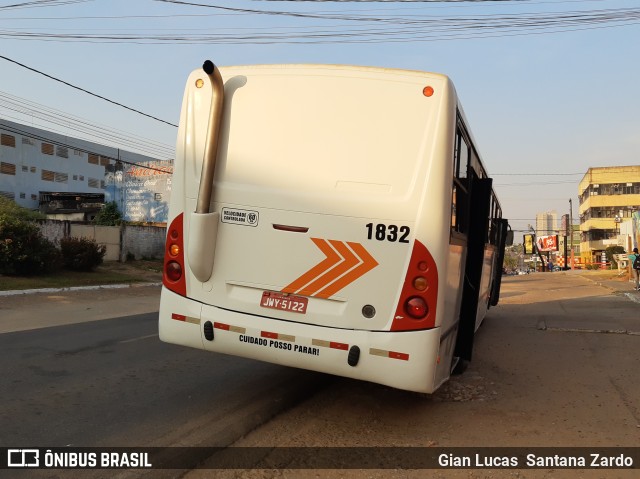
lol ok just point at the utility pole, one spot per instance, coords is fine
(571, 232)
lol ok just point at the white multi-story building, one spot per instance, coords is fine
(38, 166)
(546, 223)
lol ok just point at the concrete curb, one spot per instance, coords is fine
(616, 288)
(76, 288)
(542, 326)
(633, 297)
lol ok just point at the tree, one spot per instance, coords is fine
(109, 215)
(610, 251)
(512, 256)
(510, 262)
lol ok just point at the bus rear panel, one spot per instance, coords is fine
(326, 241)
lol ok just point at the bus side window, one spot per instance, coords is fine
(463, 160)
(496, 215)
(491, 220)
(459, 186)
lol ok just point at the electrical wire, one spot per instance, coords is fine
(85, 91)
(372, 28)
(81, 128)
(41, 3)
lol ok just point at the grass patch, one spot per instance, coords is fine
(107, 273)
(147, 264)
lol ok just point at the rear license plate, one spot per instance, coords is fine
(284, 302)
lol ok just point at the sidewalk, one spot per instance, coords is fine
(612, 280)
(27, 310)
(576, 301)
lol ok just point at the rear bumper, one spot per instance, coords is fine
(403, 360)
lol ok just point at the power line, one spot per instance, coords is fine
(41, 3)
(85, 91)
(88, 130)
(373, 28)
(536, 174)
(537, 183)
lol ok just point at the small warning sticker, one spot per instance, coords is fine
(239, 217)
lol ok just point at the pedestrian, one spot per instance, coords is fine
(550, 266)
(635, 265)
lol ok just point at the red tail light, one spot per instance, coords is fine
(173, 273)
(417, 304)
(416, 307)
(173, 270)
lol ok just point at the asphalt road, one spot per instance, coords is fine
(113, 383)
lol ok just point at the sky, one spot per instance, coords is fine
(549, 87)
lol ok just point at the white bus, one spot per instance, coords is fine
(331, 218)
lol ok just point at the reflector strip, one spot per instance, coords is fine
(287, 337)
(389, 354)
(282, 337)
(226, 327)
(186, 319)
(330, 344)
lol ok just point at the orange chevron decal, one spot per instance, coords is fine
(332, 259)
(345, 262)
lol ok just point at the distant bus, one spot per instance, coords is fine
(331, 218)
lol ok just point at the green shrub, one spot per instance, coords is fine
(23, 249)
(109, 215)
(81, 254)
(11, 208)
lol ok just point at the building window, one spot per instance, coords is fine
(25, 169)
(94, 159)
(46, 149)
(62, 152)
(7, 168)
(75, 177)
(8, 195)
(28, 141)
(81, 178)
(104, 161)
(77, 153)
(47, 175)
(8, 140)
(93, 183)
(33, 169)
(34, 197)
(61, 177)
(23, 196)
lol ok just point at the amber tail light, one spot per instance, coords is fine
(173, 271)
